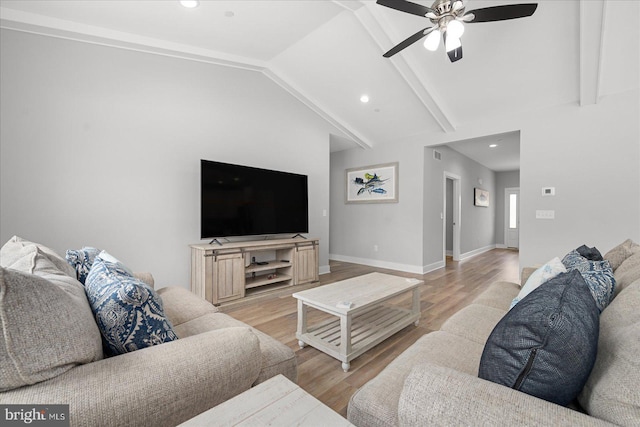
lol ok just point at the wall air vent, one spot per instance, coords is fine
(437, 155)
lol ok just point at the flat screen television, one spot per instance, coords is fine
(246, 201)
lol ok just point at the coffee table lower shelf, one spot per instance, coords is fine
(366, 330)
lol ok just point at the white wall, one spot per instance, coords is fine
(102, 146)
(590, 154)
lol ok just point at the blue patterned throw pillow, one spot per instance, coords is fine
(128, 312)
(82, 260)
(598, 275)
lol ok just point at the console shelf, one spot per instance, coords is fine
(221, 273)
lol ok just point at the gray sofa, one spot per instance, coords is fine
(51, 350)
(435, 381)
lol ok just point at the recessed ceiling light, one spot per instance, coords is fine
(189, 3)
(364, 99)
(493, 145)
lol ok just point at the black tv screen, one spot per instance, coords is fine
(245, 201)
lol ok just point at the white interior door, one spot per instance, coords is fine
(512, 217)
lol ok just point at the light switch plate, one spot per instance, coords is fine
(545, 214)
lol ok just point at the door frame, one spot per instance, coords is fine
(506, 214)
(457, 216)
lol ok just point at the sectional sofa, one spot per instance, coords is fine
(436, 382)
(51, 350)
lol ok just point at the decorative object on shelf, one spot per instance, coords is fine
(480, 197)
(372, 184)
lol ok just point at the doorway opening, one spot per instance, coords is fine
(451, 218)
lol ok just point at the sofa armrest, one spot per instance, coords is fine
(181, 305)
(162, 385)
(145, 277)
(435, 395)
(524, 276)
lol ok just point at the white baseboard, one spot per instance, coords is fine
(407, 268)
(431, 267)
(324, 269)
(501, 246)
(475, 252)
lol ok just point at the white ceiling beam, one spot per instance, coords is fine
(53, 27)
(592, 30)
(406, 64)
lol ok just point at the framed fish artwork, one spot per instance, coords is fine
(372, 184)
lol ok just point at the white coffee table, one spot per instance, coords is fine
(366, 323)
(275, 402)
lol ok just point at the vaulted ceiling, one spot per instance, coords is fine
(329, 53)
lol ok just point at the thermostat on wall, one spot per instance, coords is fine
(548, 191)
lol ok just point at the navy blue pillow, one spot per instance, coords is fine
(546, 345)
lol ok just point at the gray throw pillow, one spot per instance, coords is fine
(45, 329)
(546, 345)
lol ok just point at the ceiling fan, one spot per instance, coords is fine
(448, 16)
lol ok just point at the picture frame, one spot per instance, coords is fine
(481, 197)
(372, 184)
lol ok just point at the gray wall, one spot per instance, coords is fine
(477, 224)
(504, 180)
(409, 233)
(395, 228)
(101, 147)
(590, 154)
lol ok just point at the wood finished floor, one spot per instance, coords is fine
(444, 292)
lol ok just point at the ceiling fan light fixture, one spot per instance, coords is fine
(189, 4)
(433, 40)
(452, 43)
(455, 29)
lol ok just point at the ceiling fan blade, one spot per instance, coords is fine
(455, 54)
(409, 41)
(502, 13)
(406, 6)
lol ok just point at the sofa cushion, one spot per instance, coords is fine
(474, 322)
(277, 358)
(19, 254)
(611, 392)
(538, 277)
(129, 313)
(597, 274)
(45, 329)
(376, 403)
(618, 254)
(498, 295)
(82, 260)
(628, 272)
(546, 345)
